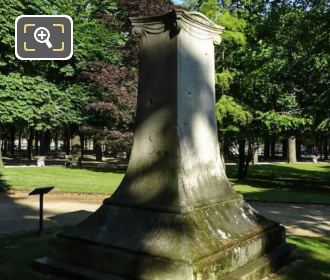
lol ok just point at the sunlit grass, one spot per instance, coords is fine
(315, 253)
(304, 183)
(64, 179)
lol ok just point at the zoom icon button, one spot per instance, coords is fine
(43, 37)
(39, 35)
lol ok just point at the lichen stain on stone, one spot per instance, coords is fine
(222, 234)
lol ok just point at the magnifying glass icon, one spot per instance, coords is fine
(41, 35)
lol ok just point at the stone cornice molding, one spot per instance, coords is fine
(195, 23)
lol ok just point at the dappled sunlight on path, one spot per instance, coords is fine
(299, 219)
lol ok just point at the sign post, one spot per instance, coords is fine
(41, 192)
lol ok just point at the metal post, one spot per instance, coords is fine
(41, 213)
(41, 192)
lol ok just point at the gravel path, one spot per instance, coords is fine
(299, 219)
(19, 213)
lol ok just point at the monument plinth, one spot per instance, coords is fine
(175, 215)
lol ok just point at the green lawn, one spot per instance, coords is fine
(18, 251)
(64, 179)
(306, 183)
(315, 253)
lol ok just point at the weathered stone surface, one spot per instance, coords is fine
(175, 215)
(175, 153)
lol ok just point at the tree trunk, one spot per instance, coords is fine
(82, 145)
(67, 141)
(19, 148)
(56, 145)
(36, 143)
(98, 150)
(29, 146)
(285, 149)
(248, 158)
(241, 159)
(42, 149)
(266, 149)
(272, 147)
(255, 158)
(12, 141)
(1, 160)
(226, 150)
(319, 146)
(326, 148)
(48, 140)
(87, 144)
(292, 154)
(298, 149)
(3, 147)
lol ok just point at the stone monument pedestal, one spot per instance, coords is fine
(175, 215)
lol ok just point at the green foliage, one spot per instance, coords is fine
(324, 126)
(51, 94)
(234, 28)
(34, 102)
(80, 95)
(9, 10)
(224, 81)
(274, 60)
(283, 123)
(285, 66)
(93, 40)
(226, 17)
(231, 116)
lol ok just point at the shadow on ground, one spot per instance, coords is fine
(314, 263)
(18, 250)
(284, 183)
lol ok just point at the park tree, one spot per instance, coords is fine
(272, 64)
(39, 107)
(100, 79)
(116, 80)
(9, 10)
(235, 124)
(287, 125)
(312, 72)
(268, 64)
(286, 70)
(93, 41)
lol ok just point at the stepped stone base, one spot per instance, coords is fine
(257, 269)
(225, 240)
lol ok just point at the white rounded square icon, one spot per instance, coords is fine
(43, 37)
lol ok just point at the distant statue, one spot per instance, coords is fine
(74, 159)
(315, 158)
